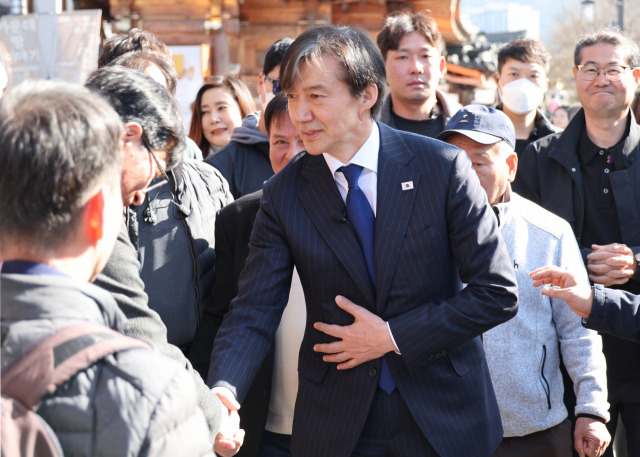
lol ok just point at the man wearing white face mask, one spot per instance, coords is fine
(522, 82)
(244, 162)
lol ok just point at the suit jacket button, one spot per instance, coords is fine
(373, 373)
(444, 353)
(431, 358)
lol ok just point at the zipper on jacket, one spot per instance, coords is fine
(545, 383)
(177, 197)
(196, 270)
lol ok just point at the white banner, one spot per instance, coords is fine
(50, 46)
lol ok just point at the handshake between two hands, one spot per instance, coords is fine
(230, 437)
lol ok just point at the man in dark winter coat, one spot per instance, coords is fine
(590, 176)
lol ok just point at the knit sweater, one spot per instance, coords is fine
(523, 353)
(285, 366)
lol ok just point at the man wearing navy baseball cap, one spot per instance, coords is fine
(523, 354)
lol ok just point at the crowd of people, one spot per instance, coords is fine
(353, 269)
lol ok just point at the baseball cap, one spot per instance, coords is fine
(482, 124)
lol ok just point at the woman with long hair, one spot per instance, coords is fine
(221, 104)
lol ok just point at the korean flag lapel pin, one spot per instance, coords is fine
(408, 185)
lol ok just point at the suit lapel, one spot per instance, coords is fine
(395, 204)
(320, 198)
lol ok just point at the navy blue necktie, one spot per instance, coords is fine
(363, 220)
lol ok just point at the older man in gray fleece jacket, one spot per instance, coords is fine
(523, 354)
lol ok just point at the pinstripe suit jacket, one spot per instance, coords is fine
(427, 239)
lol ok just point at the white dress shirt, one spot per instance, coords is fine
(367, 158)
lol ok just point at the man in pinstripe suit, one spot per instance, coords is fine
(391, 363)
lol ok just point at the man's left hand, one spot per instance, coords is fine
(366, 339)
(591, 437)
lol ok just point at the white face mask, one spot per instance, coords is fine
(521, 96)
(267, 98)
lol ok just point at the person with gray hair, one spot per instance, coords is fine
(60, 207)
(590, 176)
(158, 261)
(524, 354)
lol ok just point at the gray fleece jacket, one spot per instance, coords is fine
(523, 353)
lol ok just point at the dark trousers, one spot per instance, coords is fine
(629, 411)
(553, 442)
(391, 431)
(275, 445)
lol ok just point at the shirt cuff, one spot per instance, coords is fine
(592, 416)
(393, 340)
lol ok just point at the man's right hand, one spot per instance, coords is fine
(230, 436)
(227, 398)
(611, 264)
(591, 437)
(565, 287)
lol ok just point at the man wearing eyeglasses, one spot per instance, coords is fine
(153, 147)
(590, 175)
(244, 162)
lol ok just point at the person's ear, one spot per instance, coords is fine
(132, 132)
(512, 163)
(138, 197)
(497, 78)
(260, 86)
(368, 97)
(443, 66)
(94, 216)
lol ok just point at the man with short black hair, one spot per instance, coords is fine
(522, 80)
(412, 48)
(135, 40)
(382, 226)
(590, 175)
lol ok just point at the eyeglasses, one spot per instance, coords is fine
(589, 72)
(276, 84)
(163, 173)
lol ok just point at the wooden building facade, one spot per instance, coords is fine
(238, 32)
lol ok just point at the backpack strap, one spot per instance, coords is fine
(59, 357)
